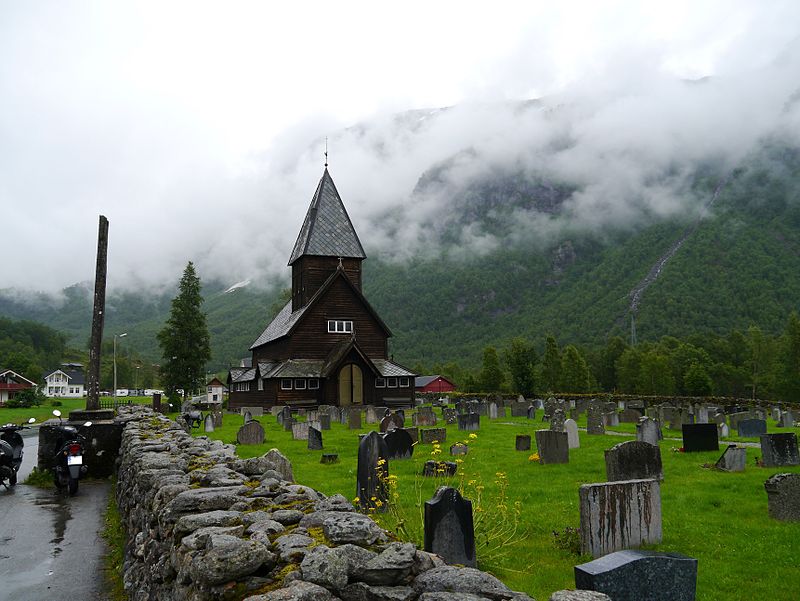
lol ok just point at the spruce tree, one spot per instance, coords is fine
(184, 340)
(520, 358)
(491, 376)
(574, 371)
(551, 364)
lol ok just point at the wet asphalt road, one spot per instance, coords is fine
(50, 543)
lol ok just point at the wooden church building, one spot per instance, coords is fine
(327, 345)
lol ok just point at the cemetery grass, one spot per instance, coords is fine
(719, 518)
(45, 411)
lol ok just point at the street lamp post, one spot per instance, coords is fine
(115, 362)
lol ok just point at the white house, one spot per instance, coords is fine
(214, 390)
(11, 383)
(67, 382)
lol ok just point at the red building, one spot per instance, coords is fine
(11, 383)
(433, 384)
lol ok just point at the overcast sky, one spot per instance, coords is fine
(197, 127)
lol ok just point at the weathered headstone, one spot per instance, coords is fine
(553, 447)
(633, 460)
(735, 418)
(519, 409)
(288, 423)
(469, 422)
(250, 433)
(372, 472)
(483, 408)
(284, 415)
(433, 434)
(399, 444)
(734, 459)
(492, 411)
(594, 419)
(648, 430)
(371, 416)
(459, 449)
(523, 442)
(783, 497)
(253, 411)
(724, 430)
(701, 414)
(700, 437)
(247, 417)
(619, 515)
(611, 418)
(413, 433)
(324, 421)
(300, 431)
(450, 415)
(786, 420)
(557, 418)
(354, 419)
(779, 449)
(424, 417)
(634, 575)
(439, 469)
(208, 423)
(314, 439)
(751, 427)
(391, 422)
(216, 415)
(329, 458)
(571, 428)
(531, 413)
(449, 531)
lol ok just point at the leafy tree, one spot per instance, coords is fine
(654, 374)
(789, 374)
(551, 364)
(184, 340)
(627, 368)
(491, 376)
(520, 358)
(574, 371)
(696, 381)
(607, 371)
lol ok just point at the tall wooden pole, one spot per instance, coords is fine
(93, 396)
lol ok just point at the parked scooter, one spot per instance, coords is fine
(11, 452)
(69, 466)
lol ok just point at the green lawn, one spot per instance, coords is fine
(45, 411)
(719, 518)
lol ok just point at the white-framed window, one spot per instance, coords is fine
(286, 384)
(313, 384)
(242, 386)
(403, 382)
(391, 382)
(300, 384)
(380, 383)
(340, 326)
(261, 384)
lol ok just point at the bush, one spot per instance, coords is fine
(56, 403)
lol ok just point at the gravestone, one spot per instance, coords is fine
(251, 433)
(519, 409)
(449, 530)
(372, 472)
(247, 417)
(381, 412)
(424, 417)
(314, 423)
(648, 430)
(700, 437)
(284, 416)
(611, 418)
(254, 411)
(324, 421)
(779, 449)
(492, 411)
(531, 414)
(776, 414)
(434, 469)
(275, 410)
(413, 433)
(399, 444)
(557, 418)
(288, 423)
(329, 458)
(483, 408)
(371, 416)
(469, 422)
(735, 418)
(553, 447)
(701, 414)
(314, 439)
(300, 431)
(208, 423)
(619, 515)
(719, 418)
(734, 459)
(633, 460)
(433, 434)
(459, 449)
(354, 419)
(391, 422)
(571, 428)
(783, 497)
(594, 419)
(751, 427)
(312, 416)
(630, 416)
(216, 414)
(634, 575)
(786, 420)
(724, 430)
(450, 415)
(523, 442)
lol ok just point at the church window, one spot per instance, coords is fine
(300, 384)
(391, 382)
(380, 383)
(340, 326)
(313, 383)
(286, 384)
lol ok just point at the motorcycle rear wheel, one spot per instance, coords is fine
(12, 479)
(72, 486)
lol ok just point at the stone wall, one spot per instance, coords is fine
(203, 524)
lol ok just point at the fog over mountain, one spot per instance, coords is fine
(205, 143)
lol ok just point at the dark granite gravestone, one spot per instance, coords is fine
(633, 460)
(519, 409)
(247, 417)
(449, 531)
(459, 449)
(314, 439)
(372, 472)
(251, 433)
(329, 458)
(450, 415)
(553, 447)
(779, 449)
(751, 427)
(633, 575)
(700, 437)
(413, 433)
(432, 434)
(734, 459)
(594, 419)
(399, 444)
(523, 442)
(469, 422)
(208, 423)
(392, 422)
(324, 421)
(783, 497)
(354, 418)
(433, 469)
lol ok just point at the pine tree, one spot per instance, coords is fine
(184, 340)
(789, 375)
(491, 376)
(520, 357)
(551, 364)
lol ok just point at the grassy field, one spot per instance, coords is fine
(719, 518)
(45, 411)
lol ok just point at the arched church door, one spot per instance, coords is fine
(351, 385)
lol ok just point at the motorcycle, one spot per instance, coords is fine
(69, 466)
(11, 452)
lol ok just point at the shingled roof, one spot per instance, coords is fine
(327, 230)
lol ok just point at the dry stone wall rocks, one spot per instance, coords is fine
(205, 525)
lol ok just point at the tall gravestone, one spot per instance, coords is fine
(300, 431)
(594, 419)
(633, 460)
(557, 418)
(354, 418)
(648, 430)
(492, 410)
(571, 428)
(372, 472)
(779, 449)
(208, 423)
(553, 447)
(700, 437)
(371, 416)
(324, 421)
(399, 444)
(314, 439)
(619, 515)
(786, 420)
(449, 530)
(246, 416)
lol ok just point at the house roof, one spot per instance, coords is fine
(75, 376)
(389, 369)
(243, 374)
(421, 381)
(214, 381)
(5, 372)
(286, 320)
(327, 230)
